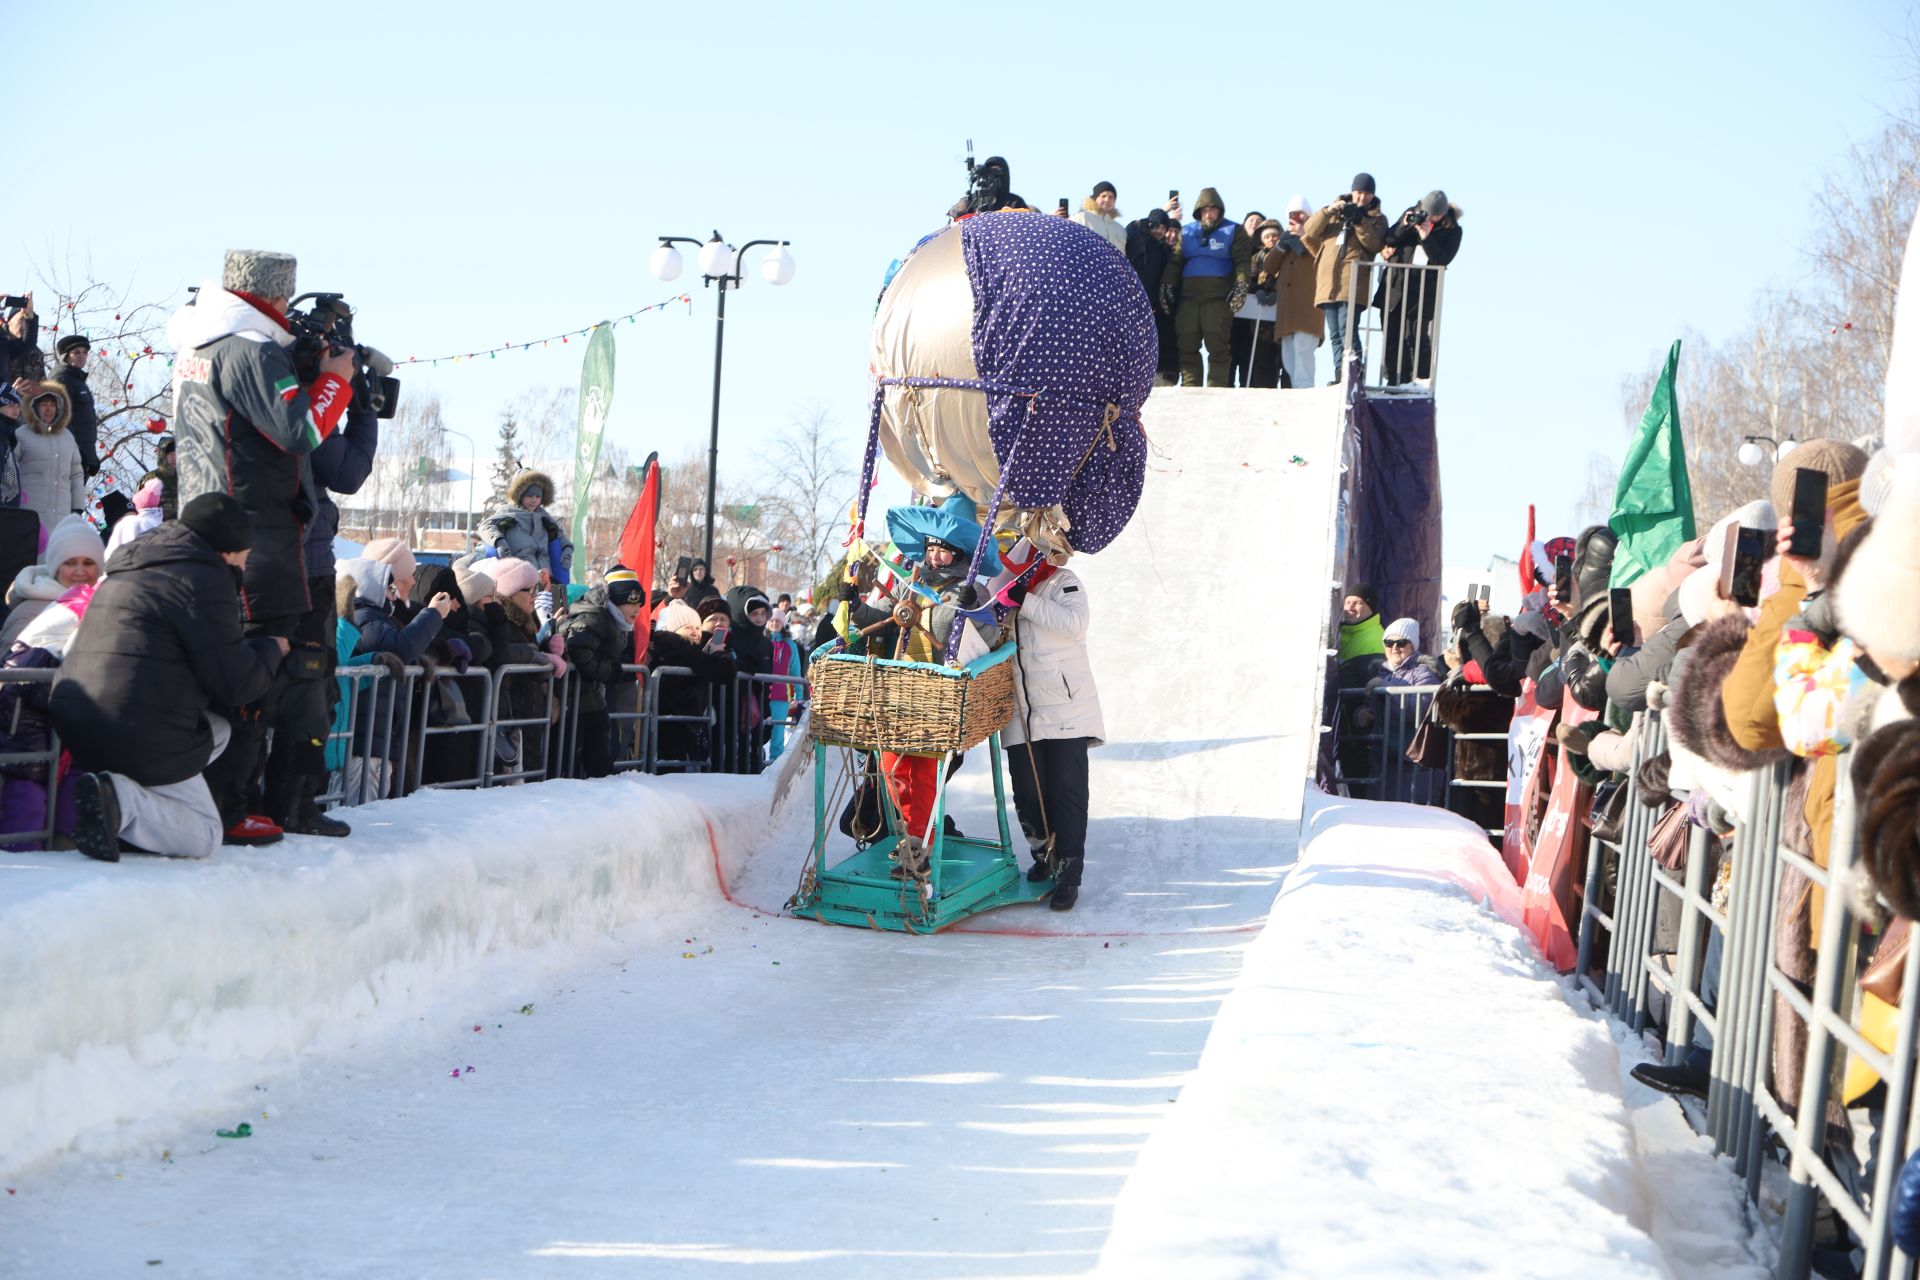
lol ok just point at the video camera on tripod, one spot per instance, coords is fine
(326, 328)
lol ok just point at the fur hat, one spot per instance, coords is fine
(1839, 460)
(1875, 596)
(675, 616)
(1402, 629)
(260, 272)
(712, 605)
(1695, 715)
(221, 520)
(512, 576)
(73, 536)
(527, 481)
(474, 581)
(392, 551)
(1886, 778)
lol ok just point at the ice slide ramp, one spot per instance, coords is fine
(697, 1085)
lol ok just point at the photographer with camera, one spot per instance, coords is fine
(20, 341)
(1351, 229)
(245, 422)
(1428, 234)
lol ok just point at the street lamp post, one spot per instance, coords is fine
(1752, 455)
(449, 431)
(719, 264)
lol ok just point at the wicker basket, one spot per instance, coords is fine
(874, 705)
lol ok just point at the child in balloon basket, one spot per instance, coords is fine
(939, 542)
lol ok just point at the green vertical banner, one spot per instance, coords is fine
(596, 398)
(1653, 504)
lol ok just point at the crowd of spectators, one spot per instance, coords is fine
(217, 677)
(1816, 668)
(1257, 296)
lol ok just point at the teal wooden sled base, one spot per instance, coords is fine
(968, 875)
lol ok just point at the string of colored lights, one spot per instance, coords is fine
(493, 353)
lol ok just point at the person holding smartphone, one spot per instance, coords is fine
(1747, 694)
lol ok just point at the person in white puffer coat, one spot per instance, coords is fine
(53, 481)
(1056, 720)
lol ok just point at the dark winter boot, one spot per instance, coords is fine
(1063, 897)
(306, 818)
(96, 828)
(1039, 872)
(1689, 1077)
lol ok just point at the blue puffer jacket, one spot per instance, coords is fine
(1204, 254)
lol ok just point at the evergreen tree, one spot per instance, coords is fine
(508, 463)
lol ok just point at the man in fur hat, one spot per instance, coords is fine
(244, 425)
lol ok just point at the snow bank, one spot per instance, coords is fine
(1397, 1086)
(138, 993)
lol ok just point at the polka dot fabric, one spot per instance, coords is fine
(1059, 314)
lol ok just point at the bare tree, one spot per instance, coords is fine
(810, 481)
(407, 480)
(1596, 498)
(1811, 362)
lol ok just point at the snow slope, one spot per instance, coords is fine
(557, 1030)
(1397, 1086)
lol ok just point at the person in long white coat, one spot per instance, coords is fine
(53, 481)
(1056, 720)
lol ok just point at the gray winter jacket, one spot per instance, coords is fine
(515, 533)
(53, 480)
(1627, 682)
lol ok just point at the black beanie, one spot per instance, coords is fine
(1103, 188)
(1366, 593)
(1362, 182)
(220, 520)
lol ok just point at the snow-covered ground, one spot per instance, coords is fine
(561, 1030)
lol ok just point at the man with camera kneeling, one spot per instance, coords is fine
(244, 422)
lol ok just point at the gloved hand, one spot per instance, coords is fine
(1466, 616)
(1237, 296)
(968, 597)
(462, 654)
(1016, 592)
(1168, 296)
(849, 591)
(543, 606)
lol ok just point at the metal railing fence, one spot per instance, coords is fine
(1650, 963)
(1400, 340)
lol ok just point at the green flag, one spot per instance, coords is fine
(1653, 503)
(596, 397)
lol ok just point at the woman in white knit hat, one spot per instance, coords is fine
(73, 556)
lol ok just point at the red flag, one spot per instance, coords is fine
(1529, 580)
(636, 550)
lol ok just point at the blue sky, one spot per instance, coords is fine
(477, 173)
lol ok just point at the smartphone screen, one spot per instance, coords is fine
(1563, 578)
(1473, 591)
(1620, 614)
(1809, 512)
(1486, 591)
(1749, 556)
(1172, 194)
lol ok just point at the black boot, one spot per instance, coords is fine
(306, 818)
(1688, 1077)
(96, 830)
(1063, 898)
(1039, 872)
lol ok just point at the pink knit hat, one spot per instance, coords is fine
(510, 576)
(393, 552)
